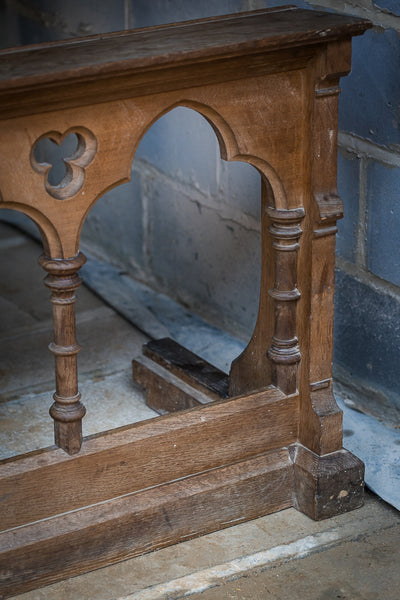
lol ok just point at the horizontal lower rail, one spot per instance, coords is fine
(77, 542)
(43, 484)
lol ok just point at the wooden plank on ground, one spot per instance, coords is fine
(165, 393)
(188, 366)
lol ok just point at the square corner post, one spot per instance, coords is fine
(292, 344)
(328, 479)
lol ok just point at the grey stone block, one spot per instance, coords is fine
(208, 263)
(367, 335)
(9, 26)
(348, 187)
(114, 226)
(50, 20)
(158, 12)
(383, 241)
(369, 102)
(35, 28)
(392, 6)
(240, 187)
(183, 145)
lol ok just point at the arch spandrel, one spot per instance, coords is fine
(113, 127)
(245, 122)
(259, 123)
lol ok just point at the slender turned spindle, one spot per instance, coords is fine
(284, 352)
(67, 410)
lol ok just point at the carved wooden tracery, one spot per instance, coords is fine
(268, 86)
(75, 164)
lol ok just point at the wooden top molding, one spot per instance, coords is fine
(73, 63)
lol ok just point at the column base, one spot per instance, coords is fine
(68, 436)
(325, 486)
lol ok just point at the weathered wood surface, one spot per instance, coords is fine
(164, 391)
(145, 454)
(188, 366)
(325, 486)
(124, 527)
(167, 46)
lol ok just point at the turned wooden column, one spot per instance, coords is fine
(284, 352)
(67, 410)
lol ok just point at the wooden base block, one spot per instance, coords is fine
(174, 378)
(328, 485)
(165, 393)
(189, 367)
(68, 436)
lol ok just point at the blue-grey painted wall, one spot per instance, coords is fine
(188, 223)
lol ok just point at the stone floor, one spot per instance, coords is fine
(281, 556)
(109, 344)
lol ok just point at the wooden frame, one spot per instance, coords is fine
(267, 82)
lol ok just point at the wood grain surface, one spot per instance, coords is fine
(145, 454)
(124, 527)
(169, 45)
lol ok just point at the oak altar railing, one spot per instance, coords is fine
(268, 83)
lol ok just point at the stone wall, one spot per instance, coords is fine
(367, 318)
